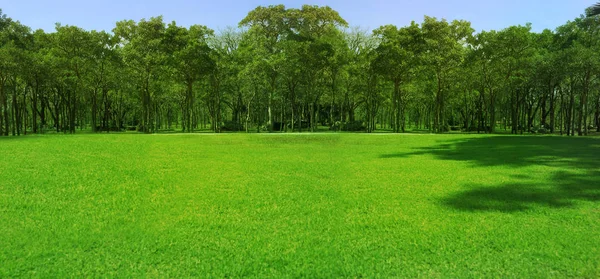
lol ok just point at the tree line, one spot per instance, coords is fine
(286, 69)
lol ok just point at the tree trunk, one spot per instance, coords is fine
(515, 111)
(15, 112)
(34, 108)
(597, 114)
(552, 109)
(189, 102)
(492, 113)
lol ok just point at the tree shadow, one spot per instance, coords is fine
(520, 196)
(578, 178)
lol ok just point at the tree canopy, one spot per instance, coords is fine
(301, 69)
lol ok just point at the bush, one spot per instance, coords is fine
(336, 126)
(232, 126)
(486, 129)
(109, 129)
(539, 130)
(299, 124)
(278, 126)
(354, 126)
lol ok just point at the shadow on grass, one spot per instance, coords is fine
(578, 178)
(519, 196)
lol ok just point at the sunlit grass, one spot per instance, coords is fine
(326, 205)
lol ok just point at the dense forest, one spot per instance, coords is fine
(285, 69)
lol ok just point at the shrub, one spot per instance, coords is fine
(486, 129)
(336, 126)
(542, 130)
(539, 130)
(299, 124)
(278, 126)
(354, 126)
(232, 126)
(111, 129)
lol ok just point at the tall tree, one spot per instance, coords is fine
(444, 52)
(191, 59)
(593, 10)
(270, 26)
(144, 52)
(397, 59)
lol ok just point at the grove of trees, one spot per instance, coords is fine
(287, 69)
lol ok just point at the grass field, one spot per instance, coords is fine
(323, 205)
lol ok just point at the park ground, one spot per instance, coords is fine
(310, 205)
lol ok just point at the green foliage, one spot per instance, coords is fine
(300, 65)
(232, 126)
(593, 10)
(354, 126)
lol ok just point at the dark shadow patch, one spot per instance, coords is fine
(513, 197)
(578, 180)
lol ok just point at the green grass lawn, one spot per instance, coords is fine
(324, 205)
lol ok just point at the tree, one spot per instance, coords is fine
(269, 25)
(144, 52)
(593, 10)
(303, 32)
(15, 39)
(397, 59)
(444, 52)
(314, 29)
(300, 68)
(191, 60)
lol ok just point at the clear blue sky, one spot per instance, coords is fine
(216, 14)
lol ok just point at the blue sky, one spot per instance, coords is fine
(218, 14)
